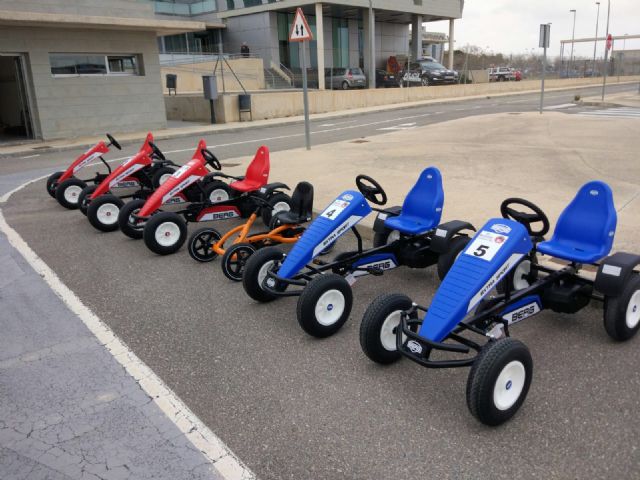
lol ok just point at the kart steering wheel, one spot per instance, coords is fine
(372, 190)
(211, 159)
(156, 151)
(113, 142)
(525, 218)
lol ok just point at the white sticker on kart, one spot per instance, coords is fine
(90, 158)
(178, 173)
(611, 270)
(335, 209)
(486, 245)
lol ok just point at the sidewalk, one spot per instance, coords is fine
(627, 99)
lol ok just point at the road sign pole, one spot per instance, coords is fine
(305, 95)
(545, 35)
(606, 52)
(544, 69)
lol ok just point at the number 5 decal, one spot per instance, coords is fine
(481, 250)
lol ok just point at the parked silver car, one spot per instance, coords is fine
(345, 78)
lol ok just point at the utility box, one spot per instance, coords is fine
(244, 105)
(210, 87)
(172, 82)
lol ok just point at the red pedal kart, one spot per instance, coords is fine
(211, 199)
(66, 187)
(144, 172)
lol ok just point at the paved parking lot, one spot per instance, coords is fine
(291, 406)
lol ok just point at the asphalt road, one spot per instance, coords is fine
(291, 406)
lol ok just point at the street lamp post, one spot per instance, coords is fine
(606, 52)
(595, 42)
(372, 46)
(573, 36)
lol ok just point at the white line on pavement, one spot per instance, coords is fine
(30, 156)
(562, 105)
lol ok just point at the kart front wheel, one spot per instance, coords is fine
(379, 325)
(127, 223)
(161, 175)
(164, 233)
(52, 183)
(201, 244)
(68, 192)
(255, 271)
(622, 313)
(103, 212)
(325, 305)
(280, 202)
(217, 191)
(83, 200)
(499, 381)
(447, 259)
(235, 259)
(385, 238)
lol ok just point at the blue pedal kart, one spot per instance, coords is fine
(504, 254)
(410, 235)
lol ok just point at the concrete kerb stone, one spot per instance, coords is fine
(42, 147)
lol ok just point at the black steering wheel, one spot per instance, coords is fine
(371, 189)
(525, 218)
(156, 151)
(211, 159)
(113, 142)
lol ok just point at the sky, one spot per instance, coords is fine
(512, 26)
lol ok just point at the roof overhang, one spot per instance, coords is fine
(55, 20)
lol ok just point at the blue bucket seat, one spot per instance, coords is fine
(586, 227)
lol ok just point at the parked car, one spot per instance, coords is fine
(426, 72)
(385, 79)
(501, 74)
(345, 78)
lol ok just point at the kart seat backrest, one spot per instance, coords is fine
(301, 205)
(257, 174)
(586, 227)
(422, 207)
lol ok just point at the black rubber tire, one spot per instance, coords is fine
(257, 261)
(424, 81)
(62, 188)
(491, 360)
(83, 204)
(158, 174)
(234, 260)
(211, 187)
(382, 238)
(447, 259)
(508, 282)
(372, 322)
(201, 243)
(94, 206)
(52, 183)
(312, 293)
(149, 233)
(345, 85)
(267, 213)
(616, 311)
(123, 219)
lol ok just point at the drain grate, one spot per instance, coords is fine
(44, 147)
(515, 113)
(360, 140)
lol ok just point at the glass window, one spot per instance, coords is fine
(431, 66)
(252, 3)
(340, 42)
(94, 64)
(126, 64)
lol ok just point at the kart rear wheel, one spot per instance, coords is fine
(379, 325)
(386, 237)
(83, 201)
(217, 191)
(499, 381)
(164, 233)
(622, 313)
(68, 192)
(280, 202)
(103, 212)
(255, 271)
(235, 260)
(52, 183)
(127, 223)
(161, 175)
(325, 305)
(201, 244)
(447, 259)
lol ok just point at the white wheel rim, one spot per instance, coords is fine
(520, 281)
(164, 178)
(218, 195)
(393, 236)
(329, 307)
(72, 193)
(108, 213)
(264, 269)
(167, 234)
(509, 385)
(280, 207)
(388, 331)
(633, 310)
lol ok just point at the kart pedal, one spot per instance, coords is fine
(317, 261)
(376, 272)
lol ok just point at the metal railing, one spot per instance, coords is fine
(180, 58)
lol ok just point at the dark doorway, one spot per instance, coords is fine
(15, 117)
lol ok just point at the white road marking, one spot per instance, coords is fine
(562, 105)
(202, 438)
(30, 156)
(623, 112)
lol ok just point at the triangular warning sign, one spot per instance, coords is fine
(300, 30)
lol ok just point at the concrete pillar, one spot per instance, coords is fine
(451, 47)
(320, 45)
(369, 32)
(416, 37)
